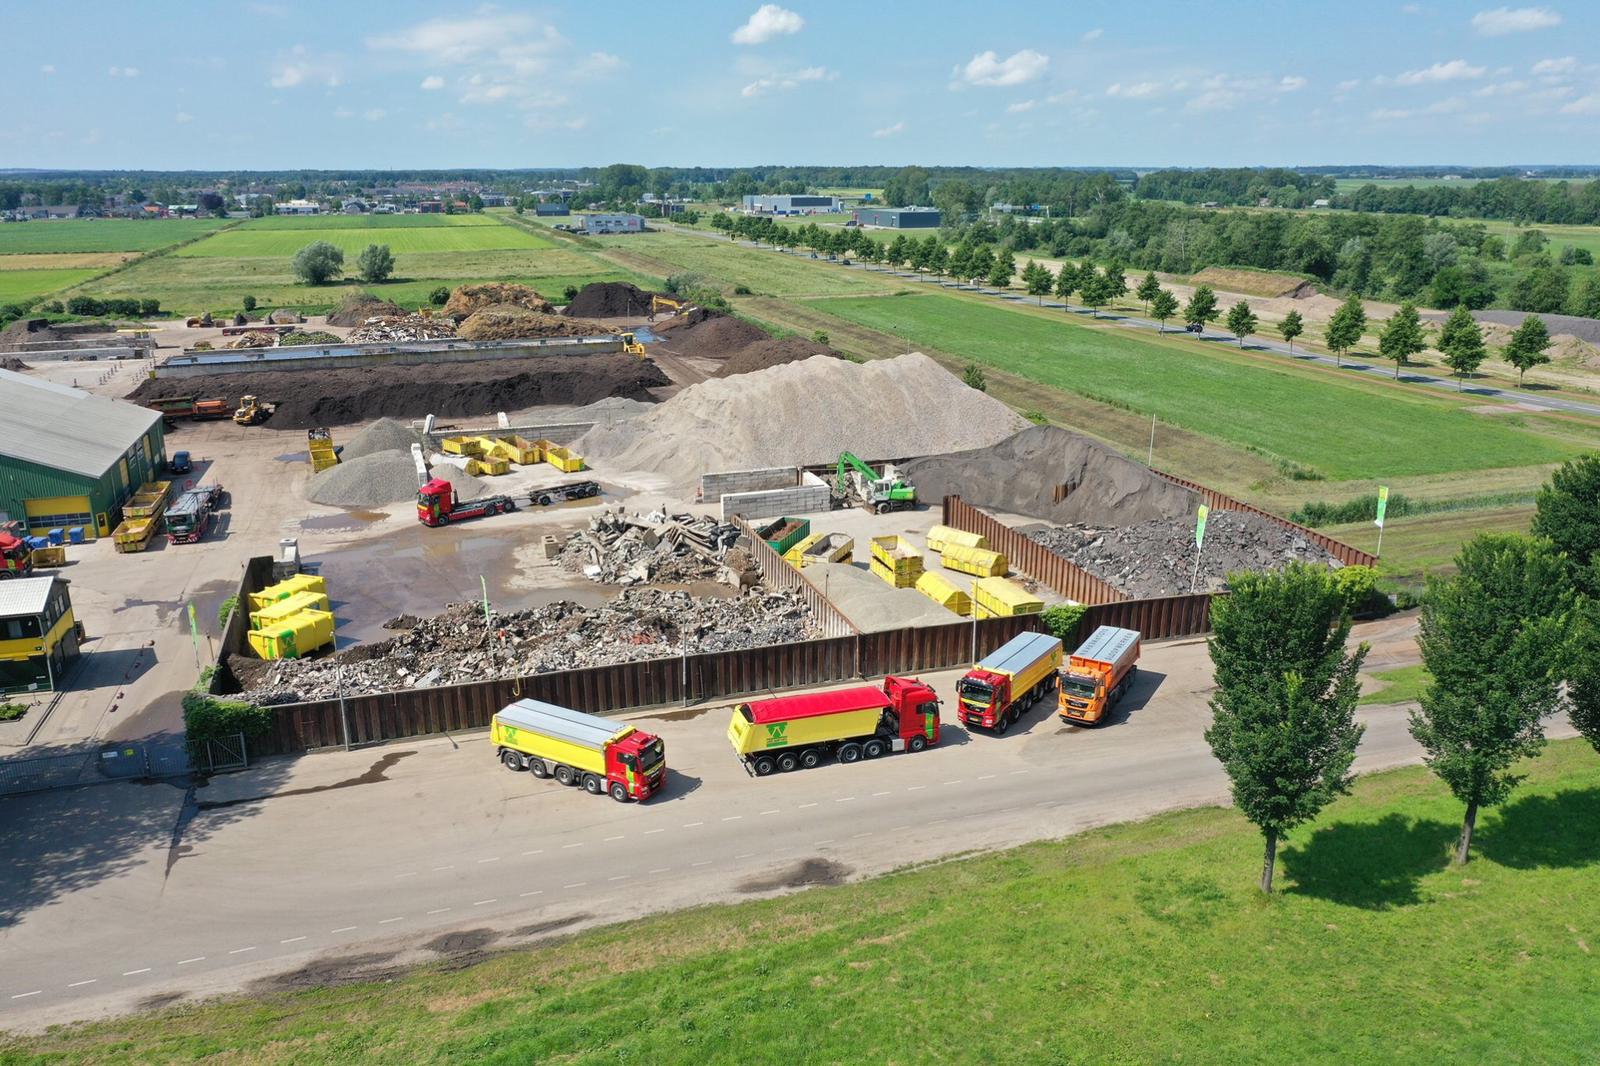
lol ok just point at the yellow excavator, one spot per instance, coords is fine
(664, 303)
(251, 412)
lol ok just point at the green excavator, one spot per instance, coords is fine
(858, 483)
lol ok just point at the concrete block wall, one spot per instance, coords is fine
(761, 479)
(810, 496)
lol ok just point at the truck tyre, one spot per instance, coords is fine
(619, 792)
(872, 749)
(850, 752)
(512, 761)
(543, 500)
(509, 506)
(566, 775)
(444, 519)
(593, 785)
(810, 759)
(880, 507)
(764, 766)
(538, 769)
(1003, 723)
(788, 762)
(917, 743)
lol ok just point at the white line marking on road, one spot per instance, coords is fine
(438, 910)
(436, 869)
(660, 870)
(1014, 773)
(746, 855)
(342, 929)
(241, 951)
(535, 892)
(803, 806)
(492, 858)
(619, 877)
(899, 829)
(579, 844)
(939, 821)
(914, 788)
(485, 902)
(1045, 803)
(386, 921)
(844, 799)
(858, 836)
(733, 818)
(768, 812)
(984, 777)
(707, 862)
(577, 884)
(691, 825)
(292, 940)
(197, 958)
(957, 781)
(647, 832)
(25, 995)
(80, 984)
(535, 851)
(875, 795)
(135, 973)
(610, 839)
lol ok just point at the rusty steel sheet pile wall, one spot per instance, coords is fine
(779, 574)
(257, 576)
(1219, 501)
(1032, 558)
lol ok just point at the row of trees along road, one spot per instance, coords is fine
(1512, 639)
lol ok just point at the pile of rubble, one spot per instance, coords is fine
(252, 340)
(469, 299)
(379, 329)
(457, 646)
(620, 548)
(1158, 557)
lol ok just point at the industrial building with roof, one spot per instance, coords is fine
(791, 205)
(39, 638)
(71, 458)
(613, 223)
(898, 217)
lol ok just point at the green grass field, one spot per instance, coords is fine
(1342, 430)
(102, 234)
(1140, 943)
(326, 222)
(244, 243)
(19, 285)
(728, 265)
(1402, 685)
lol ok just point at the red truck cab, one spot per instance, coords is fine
(16, 558)
(984, 695)
(916, 709)
(639, 762)
(437, 504)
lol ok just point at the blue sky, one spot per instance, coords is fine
(282, 83)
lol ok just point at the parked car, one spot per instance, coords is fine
(180, 463)
(1194, 327)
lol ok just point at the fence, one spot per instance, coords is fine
(779, 574)
(84, 765)
(257, 576)
(1032, 558)
(1221, 502)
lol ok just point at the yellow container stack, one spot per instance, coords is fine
(941, 537)
(980, 562)
(995, 597)
(148, 501)
(939, 589)
(299, 634)
(896, 560)
(487, 465)
(319, 448)
(562, 459)
(519, 450)
(273, 613)
(462, 445)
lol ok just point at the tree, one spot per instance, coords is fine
(1283, 723)
(1002, 270)
(1583, 673)
(1345, 327)
(441, 295)
(1202, 307)
(1116, 281)
(1402, 336)
(375, 263)
(1037, 280)
(1291, 327)
(319, 263)
(981, 264)
(1162, 307)
(961, 260)
(1526, 349)
(1587, 301)
(898, 250)
(1066, 281)
(1241, 321)
(1493, 640)
(1567, 514)
(1461, 342)
(1146, 292)
(1094, 292)
(248, 303)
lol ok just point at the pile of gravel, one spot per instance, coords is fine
(375, 480)
(871, 603)
(384, 435)
(803, 413)
(466, 486)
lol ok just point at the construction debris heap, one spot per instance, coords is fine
(620, 548)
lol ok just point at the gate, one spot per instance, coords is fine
(84, 765)
(219, 755)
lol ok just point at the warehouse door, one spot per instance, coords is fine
(58, 512)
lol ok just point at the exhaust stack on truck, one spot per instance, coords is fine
(1008, 681)
(602, 755)
(1098, 674)
(866, 722)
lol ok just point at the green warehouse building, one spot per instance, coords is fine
(70, 458)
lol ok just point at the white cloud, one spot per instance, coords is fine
(1291, 83)
(1555, 92)
(299, 66)
(1454, 70)
(1450, 105)
(374, 114)
(769, 21)
(48, 68)
(1504, 20)
(987, 68)
(433, 81)
(1020, 106)
(1347, 85)
(1410, 9)
(1139, 90)
(1553, 68)
(514, 58)
(785, 82)
(1501, 88)
(123, 72)
(599, 63)
(1093, 35)
(890, 131)
(1583, 105)
(1213, 100)
(183, 118)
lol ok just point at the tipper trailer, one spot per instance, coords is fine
(865, 722)
(189, 517)
(1008, 681)
(437, 504)
(601, 754)
(1098, 675)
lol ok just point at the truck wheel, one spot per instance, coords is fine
(788, 762)
(511, 760)
(810, 759)
(764, 766)
(444, 519)
(872, 749)
(849, 752)
(538, 769)
(543, 501)
(509, 506)
(566, 775)
(1002, 723)
(917, 743)
(593, 785)
(619, 792)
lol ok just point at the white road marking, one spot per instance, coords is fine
(768, 812)
(292, 940)
(535, 851)
(535, 892)
(803, 806)
(660, 870)
(819, 843)
(875, 795)
(25, 995)
(436, 869)
(439, 910)
(858, 836)
(342, 929)
(746, 855)
(844, 799)
(411, 873)
(984, 777)
(610, 839)
(733, 817)
(1014, 773)
(197, 958)
(485, 902)
(647, 832)
(707, 862)
(493, 858)
(241, 951)
(386, 921)
(914, 788)
(80, 984)
(577, 884)
(619, 877)
(135, 973)
(957, 781)
(579, 844)
(691, 825)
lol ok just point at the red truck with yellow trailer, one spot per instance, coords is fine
(786, 733)
(1098, 674)
(601, 754)
(1009, 680)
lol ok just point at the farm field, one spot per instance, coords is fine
(241, 242)
(1343, 185)
(19, 285)
(321, 222)
(103, 234)
(1309, 975)
(729, 264)
(1340, 430)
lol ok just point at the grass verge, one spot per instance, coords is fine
(1136, 943)
(1401, 685)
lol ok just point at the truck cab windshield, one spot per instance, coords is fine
(975, 692)
(651, 757)
(1079, 686)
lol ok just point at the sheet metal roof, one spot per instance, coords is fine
(66, 428)
(1018, 653)
(24, 596)
(589, 730)
(815, 704)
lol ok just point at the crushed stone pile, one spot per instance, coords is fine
(375, 480)
(803, 413)
(384, 435)
(1020, 475)
(620, 548)
(310, 398)
(455, 646)
(379, 330)
(469, 298)
(505, 322)
(609, 299)
(771, 352)
(251, 340)
(1157, 557)
(465, 485)
(870, 603)
(359, 306)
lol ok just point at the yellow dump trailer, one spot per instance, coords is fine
(750, 737)
(941, 537)
(977, 561)
(299, 634)
(896, 560)
(320, 450)
(562, 459)
(940, 590)
(462, 445)
(487, 465)
(995, 597)
(286, 588)
(274, 613)
(149, 500)
(519, 450)
(133, 534)
(821, 548)
(601, 754)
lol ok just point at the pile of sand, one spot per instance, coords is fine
(505, 322)
(359, 306)
(469, 298)
(804, 413)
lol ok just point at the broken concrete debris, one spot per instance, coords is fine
(383, 329)
(620, 548)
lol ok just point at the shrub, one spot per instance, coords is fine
(224, 609)
(10, 712)
(84, 305)
(249, 303)
(1062, 619)
(149, 308)
(375, 262)
(1358, 586)
(1360, 509)
(53, 308)
(570, 293)
(1038, 418)
(973, 376)
(208, 718)
(820, 336)
(742, 290)
(439, 297)
(319, 263)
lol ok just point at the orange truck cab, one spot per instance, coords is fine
(1098, 675)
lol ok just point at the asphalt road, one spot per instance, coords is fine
(117, 897)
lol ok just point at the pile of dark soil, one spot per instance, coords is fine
(469, 298)
(710, 335)
(12, 363)
(609, 299)
(359, 306)
(505, 322)
(340, 397)
(772, 351)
